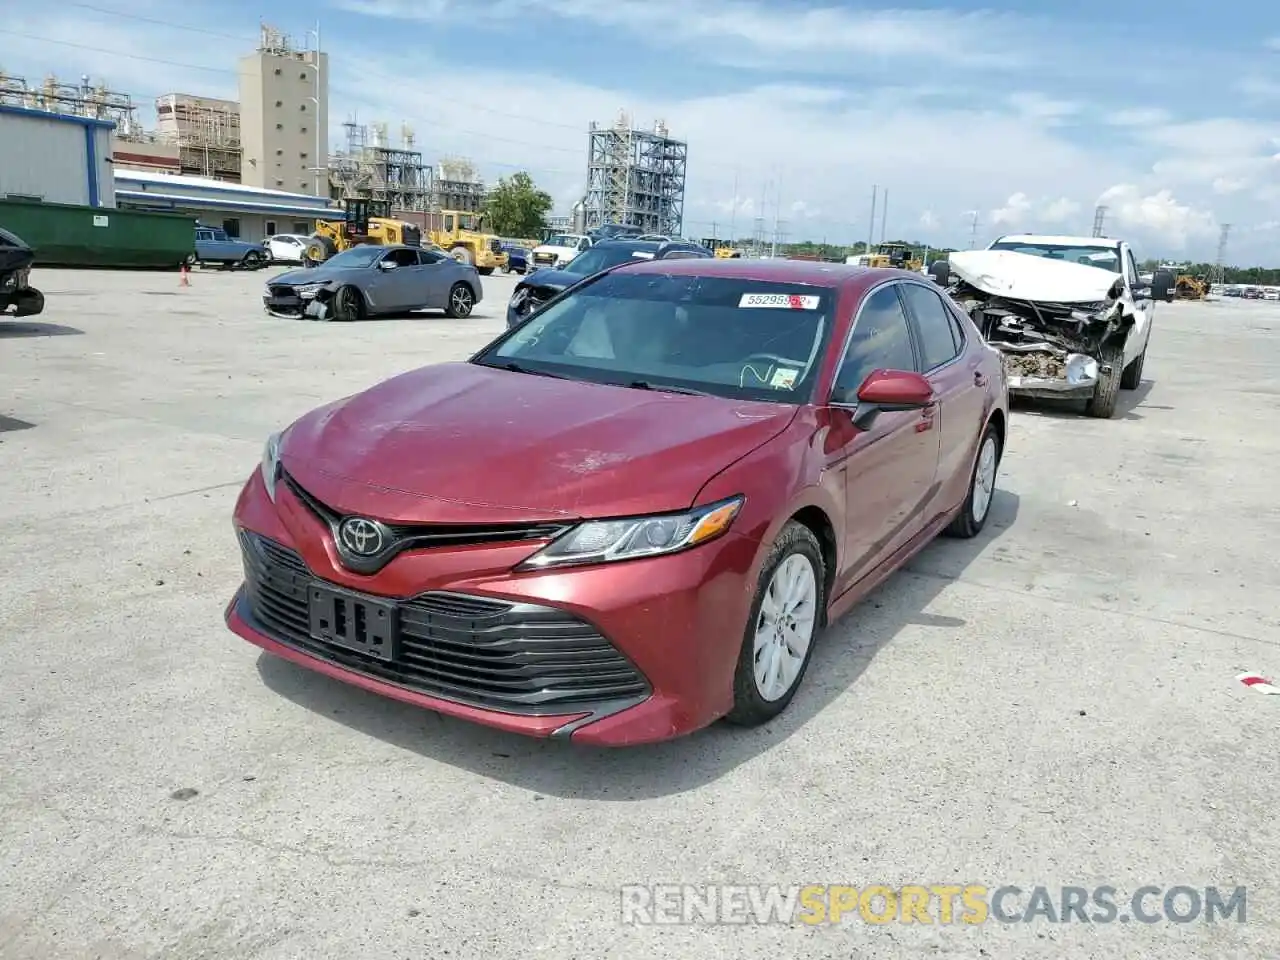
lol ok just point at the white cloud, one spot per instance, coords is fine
(1159, 214)
(1062, 210)
(1224, 186)
(1036, 106)
(1259, 88)
(1014, 211)
(1138, 117)
(929, 220)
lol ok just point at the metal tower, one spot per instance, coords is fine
(1219, 274)
(635, 177)
(1099, 219)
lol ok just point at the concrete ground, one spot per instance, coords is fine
(1054, 703)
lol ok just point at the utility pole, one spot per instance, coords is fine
(1099, 219)
(733, 217)
(973, 230)
(884, 214)
(871, 230)
(777, 212)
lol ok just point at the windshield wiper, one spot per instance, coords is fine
(666, 388)
(518, 368)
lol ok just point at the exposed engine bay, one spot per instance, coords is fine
(1055, 322)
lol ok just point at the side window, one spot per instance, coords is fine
(881, 340)
(1131, 266)
(937, 330)
(404, 258)
(584, 243)
(682, 255)
(430, 256)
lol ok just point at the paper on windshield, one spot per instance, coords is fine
(780, 301)
(642, 254)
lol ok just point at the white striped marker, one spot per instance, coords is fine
(1255, 681)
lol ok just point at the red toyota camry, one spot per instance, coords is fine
(632, 514)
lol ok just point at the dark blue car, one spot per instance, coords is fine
(542, 285)
(517, 258)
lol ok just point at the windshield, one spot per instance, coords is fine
(1105, 258)
(744, 339)
(362, 256)
(562, 240)
(595, 259)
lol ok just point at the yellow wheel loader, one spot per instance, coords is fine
(464, 236)
(363, 222)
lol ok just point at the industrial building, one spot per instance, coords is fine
(248, 213)
(204, 134)
(635, 177)
(370, 167)
(55, 158)
(284, 116)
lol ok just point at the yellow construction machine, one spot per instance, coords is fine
(464, 236)
(1188, 287)
(721, 249)
(363, 222)
(896, 255)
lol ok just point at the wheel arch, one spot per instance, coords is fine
(819, 524)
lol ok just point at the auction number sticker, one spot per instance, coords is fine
(780, 301)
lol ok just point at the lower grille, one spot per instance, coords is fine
(517, 657)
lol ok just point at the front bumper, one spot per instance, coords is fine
(1038, 375)
(611, 655)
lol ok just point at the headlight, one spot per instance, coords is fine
(271, 465)
(307, 289)
(603, 541)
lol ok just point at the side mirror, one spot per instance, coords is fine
(884, 391)
(387, 264)
(1142, 292)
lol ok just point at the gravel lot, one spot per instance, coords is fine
(1054, 703)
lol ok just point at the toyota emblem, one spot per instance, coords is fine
(361, 537)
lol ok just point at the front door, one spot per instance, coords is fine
(890, 466)
(393, 289)
(1146, 306)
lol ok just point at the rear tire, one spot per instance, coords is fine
(461, 302)
(1102, 405)
(781, 628)
(252, 260)
(973, 514)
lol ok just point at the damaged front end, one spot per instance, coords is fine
(1051, 348)
(305, 301)
(17, 297)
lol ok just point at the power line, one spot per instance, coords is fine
(160, 23)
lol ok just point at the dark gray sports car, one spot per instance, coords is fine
(368, 281)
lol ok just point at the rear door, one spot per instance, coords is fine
(959, 384)
(889, 468)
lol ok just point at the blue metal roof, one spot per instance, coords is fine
(60, 117)
(156, 199)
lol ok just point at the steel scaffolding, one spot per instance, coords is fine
(635, 177)
(378, 171)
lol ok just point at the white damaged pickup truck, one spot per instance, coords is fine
(1070, 314)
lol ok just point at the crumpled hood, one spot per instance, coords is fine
(1023, 276)
(462, 443)
(555, 279)
(320, 274)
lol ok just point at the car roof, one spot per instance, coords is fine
(635, 243)
(809, 272)
(1057, 241)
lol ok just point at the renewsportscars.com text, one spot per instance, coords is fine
(943, 904)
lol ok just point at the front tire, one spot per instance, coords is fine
(461, 302)
(982, 488)
(462, 255)
(252, 260)
(348, 305)
(1106, 393)
(1132, 377)
(788, 611)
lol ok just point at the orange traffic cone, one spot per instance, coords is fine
(186, 280)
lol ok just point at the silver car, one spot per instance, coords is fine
(368, 281)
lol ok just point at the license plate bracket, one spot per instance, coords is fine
(354, 622)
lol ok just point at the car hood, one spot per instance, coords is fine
(462, 443)
(1022, 276)
(320, 274)
(556, 279)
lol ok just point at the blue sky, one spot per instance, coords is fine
(1169, 117)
